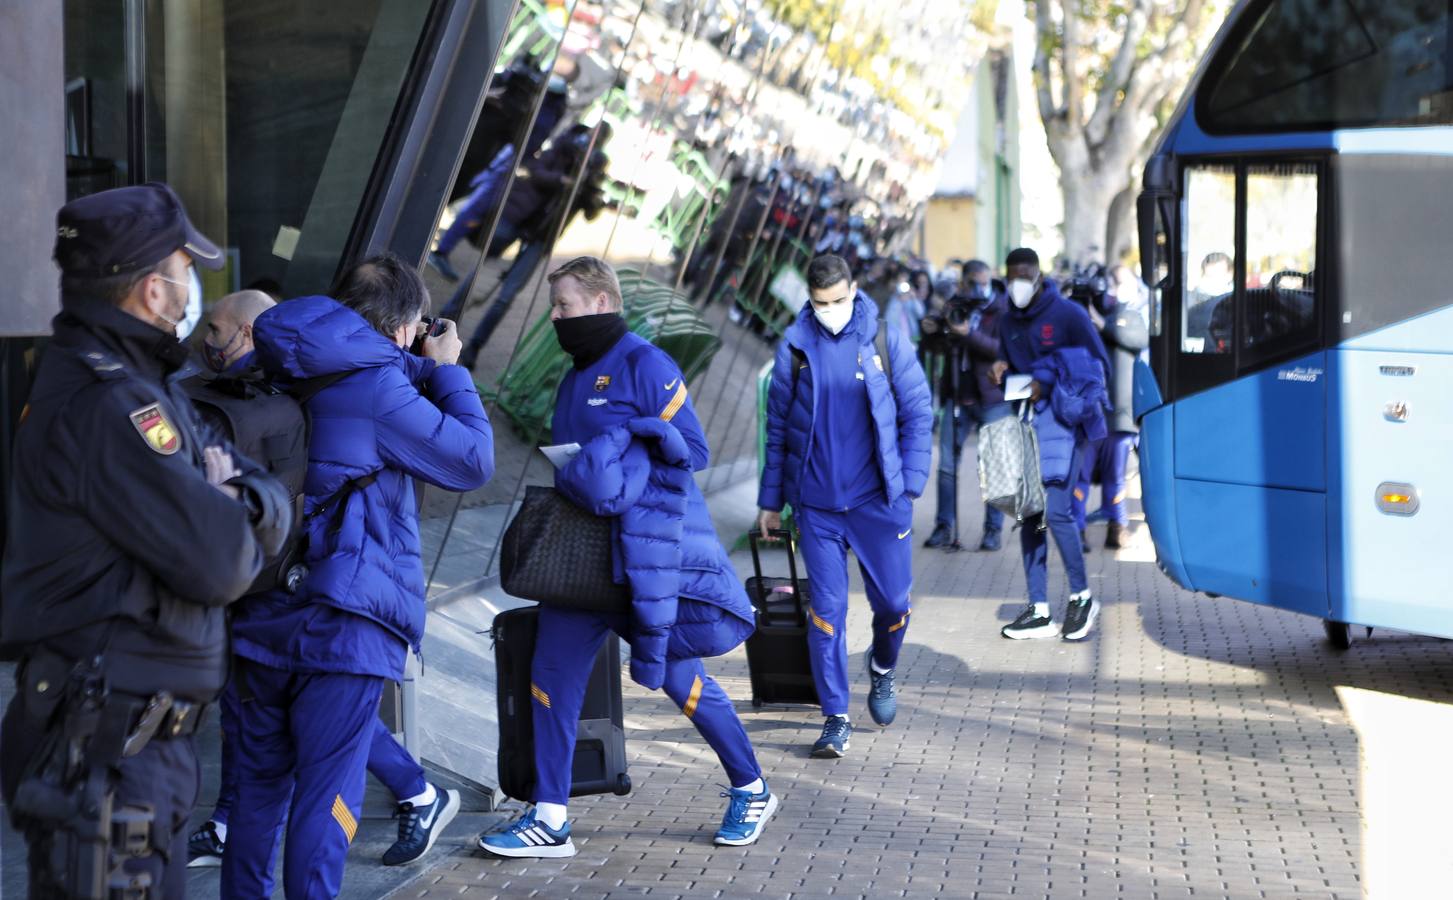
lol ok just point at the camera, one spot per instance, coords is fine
(934, 328)
(428, 327)
(1089, 284)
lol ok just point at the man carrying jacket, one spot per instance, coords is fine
(267, 424)
(971, 396)
(848, 447)
(115, 609)
(312, 662)
(1040, 324)
(624, 400)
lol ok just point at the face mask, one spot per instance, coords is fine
(835, 317)
(193, 313)
(216, 357)
(1021, 291)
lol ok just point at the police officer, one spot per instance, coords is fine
(113, 605)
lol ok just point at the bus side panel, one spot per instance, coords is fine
(1389, 570)
(1157, 490)
(1253, 543)
(1265, 429)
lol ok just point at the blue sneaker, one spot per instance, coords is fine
(834, 741)
(746, 814)
(526, 837)
(883, 695)
(420, 827)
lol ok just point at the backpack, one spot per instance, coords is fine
(272, 428)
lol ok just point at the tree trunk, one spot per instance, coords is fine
(1088, 197)
(1120, 226)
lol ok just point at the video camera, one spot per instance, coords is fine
(1089, 284)
(934, 327)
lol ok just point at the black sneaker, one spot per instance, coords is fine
(1114, 536)
(883, 693)
(419, 827)
(834, 741)
(941, 537)
(1030, 624)
(1080, 616)
(204, 848)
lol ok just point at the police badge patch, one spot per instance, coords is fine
(154, 427)
(602, 382)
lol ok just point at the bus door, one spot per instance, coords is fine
(1249, 430)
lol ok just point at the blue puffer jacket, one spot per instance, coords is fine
(640, 471)
(902, 412)
(396, 416)
(1073, 414)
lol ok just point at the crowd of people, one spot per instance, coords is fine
(239, 529)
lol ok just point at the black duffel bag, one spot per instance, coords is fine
(558, 554)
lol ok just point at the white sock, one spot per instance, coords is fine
(424, 799)
(1082, 595)
(843, 716)
(755, 787)
(221, 829)
(551, 814)
(877, 669)
(1041, 610)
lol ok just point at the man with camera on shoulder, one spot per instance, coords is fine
(966, 332)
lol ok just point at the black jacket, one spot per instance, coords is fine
(116, 541)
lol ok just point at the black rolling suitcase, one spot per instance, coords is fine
(777, 651)
(600, 745)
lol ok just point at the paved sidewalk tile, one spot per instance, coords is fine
(1192, 747)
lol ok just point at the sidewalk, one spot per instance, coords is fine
(1191, 748)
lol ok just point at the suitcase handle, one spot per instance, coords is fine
(790, 544)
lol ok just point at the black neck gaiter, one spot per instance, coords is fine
(587, 338)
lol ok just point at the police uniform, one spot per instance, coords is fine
(120, 561)
(632, 379)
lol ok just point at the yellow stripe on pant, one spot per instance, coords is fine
(689, 707)
(538, 694)
(344, 817)
(821, 624)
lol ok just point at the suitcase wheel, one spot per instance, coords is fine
(623, 785)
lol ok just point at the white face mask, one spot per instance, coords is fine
(1021, 291)
(193, 313)
(836, 316)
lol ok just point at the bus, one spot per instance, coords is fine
(1296, 225)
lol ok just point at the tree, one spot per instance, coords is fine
(1107, 73)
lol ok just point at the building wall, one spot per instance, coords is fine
(951, 229)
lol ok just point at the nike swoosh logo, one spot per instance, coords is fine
(427, 822)
(905, 534)
(672, 384)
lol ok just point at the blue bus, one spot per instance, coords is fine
(1296, 226)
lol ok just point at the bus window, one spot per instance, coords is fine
(1311, 66)
(1208, 258)
(1281, 256)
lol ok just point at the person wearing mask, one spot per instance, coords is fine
(115, 608)
(1039, 326)
(312, 660)
(1127, 335)
(1216, 283)
(848, 445)
(624, 400)
(237, 394)
(972, 398)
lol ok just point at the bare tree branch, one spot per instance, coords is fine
(1048, 110)
(1119, 72)
(1070, 61)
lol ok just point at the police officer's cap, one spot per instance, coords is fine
(126, 229)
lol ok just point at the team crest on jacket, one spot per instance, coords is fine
(602, 382)
(156, 429)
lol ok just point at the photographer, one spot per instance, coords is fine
(967, 334)
(1126, 334)
(312, 661)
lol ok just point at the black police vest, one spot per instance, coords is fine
(270, 428)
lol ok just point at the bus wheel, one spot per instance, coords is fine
(1339, 634)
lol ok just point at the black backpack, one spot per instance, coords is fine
(271, 427)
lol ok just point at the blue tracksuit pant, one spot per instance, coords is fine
(565, 649)
(953, 431)
(1059, 516)
(303, 743)
(388, 761)
(1106, 461)
(878, 533)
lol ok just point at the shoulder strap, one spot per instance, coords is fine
(308, 388)
(799, 359)
(880, 342)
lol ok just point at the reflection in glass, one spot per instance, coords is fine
(1209, 259)
(1281, 251)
